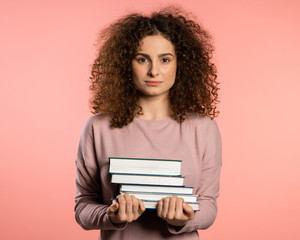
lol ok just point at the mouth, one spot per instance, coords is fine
(153, 83)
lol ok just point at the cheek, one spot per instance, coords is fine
(137, 72)
(174, 70)
(171, 72)
(136, 77)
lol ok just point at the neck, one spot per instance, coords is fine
(154, 108)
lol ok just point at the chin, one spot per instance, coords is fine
(153, 93)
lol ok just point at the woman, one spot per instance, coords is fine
(154, 96)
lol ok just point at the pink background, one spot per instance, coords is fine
(46, 51)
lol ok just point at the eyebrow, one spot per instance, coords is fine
(160, 55)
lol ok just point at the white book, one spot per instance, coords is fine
(145, 166)
(158, 196)
(156, 189)
(147, 179)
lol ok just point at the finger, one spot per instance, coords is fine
(172, 207)
(141, 206)
(165, 207)
(128, 211)
(122, 205)
(135, 207)
(159, 208)
(179, 209)
(188, 210)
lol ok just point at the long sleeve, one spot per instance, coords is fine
(196, 142)
(90, 212)
(208, 189)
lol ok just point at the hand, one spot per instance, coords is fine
(174, 211)
(126, 209)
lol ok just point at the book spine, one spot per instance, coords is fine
(147, 180)
(144, 174)
(158, 196)
(157, 193)
(148, 175)
(143, 159)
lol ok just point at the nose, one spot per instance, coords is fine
(153, 70)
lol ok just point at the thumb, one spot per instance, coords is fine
(114, 207)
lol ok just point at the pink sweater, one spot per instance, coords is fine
(197, 142)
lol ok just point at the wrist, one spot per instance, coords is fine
(115, 221)
(177, 224)
(113, 226)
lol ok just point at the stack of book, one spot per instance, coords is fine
(151, 180)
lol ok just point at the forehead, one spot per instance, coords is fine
(155, 43)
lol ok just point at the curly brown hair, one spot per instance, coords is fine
(195, 89)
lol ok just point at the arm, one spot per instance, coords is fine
(90, 212)
(209, 184)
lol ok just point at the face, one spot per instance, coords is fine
(154, 66)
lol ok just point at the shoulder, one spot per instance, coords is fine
(95, 122)
(206, 129)
(202, 124)
(96, 119)
(199, 120)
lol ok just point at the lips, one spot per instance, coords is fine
(153, 83)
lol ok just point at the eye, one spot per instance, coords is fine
(142, 60)
(166, 60)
